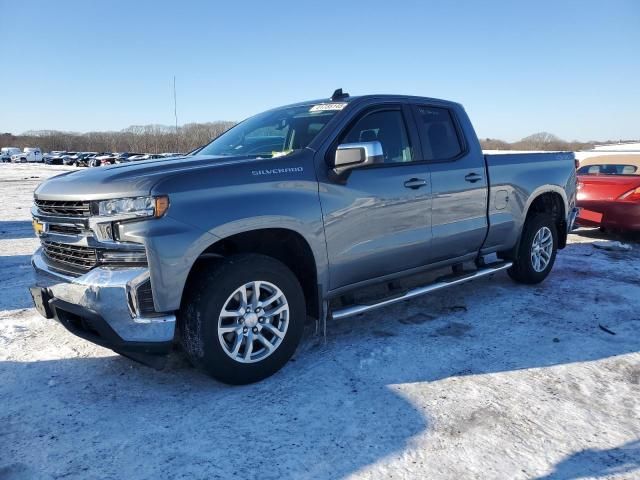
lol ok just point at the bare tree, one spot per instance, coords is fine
(537, 141)
(136, 138)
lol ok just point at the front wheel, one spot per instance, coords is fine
(242, 318)
(537, 251)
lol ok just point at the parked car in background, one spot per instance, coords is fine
(28, 155)
(116, 157)
(609, 192)
(171, 154)
(106, 159)
(54, 158)
(76, 158)
(83, 158)
(53, 154)
(125, 157)
(7, 152)
(69, 158)
(96, 160)
(145, 156)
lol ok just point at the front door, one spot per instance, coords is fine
(376, 218)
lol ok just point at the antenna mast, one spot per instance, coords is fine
(175, 108)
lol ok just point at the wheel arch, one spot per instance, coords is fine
(550, 199)
(284, 244)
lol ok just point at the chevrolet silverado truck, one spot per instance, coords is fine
(285, 218)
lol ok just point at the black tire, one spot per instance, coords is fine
(209, 289)
(523, 270)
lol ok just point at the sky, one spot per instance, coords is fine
(567, 67)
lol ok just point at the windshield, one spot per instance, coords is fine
(274, 133)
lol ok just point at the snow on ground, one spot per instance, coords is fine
(487, 380)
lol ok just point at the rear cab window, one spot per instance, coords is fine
(440, 137)
(608, 169)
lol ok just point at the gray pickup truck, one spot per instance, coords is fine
(285, 217)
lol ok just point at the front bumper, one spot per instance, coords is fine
(97, 306)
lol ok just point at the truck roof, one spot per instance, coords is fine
(349, 99)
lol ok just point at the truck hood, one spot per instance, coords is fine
(126, 179)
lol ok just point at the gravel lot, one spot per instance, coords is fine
(487, 380)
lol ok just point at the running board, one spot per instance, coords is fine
(416, 292)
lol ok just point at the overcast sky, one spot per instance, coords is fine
(568, 67)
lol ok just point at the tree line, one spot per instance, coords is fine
(137, 138)
(162, 138)
(537, 141)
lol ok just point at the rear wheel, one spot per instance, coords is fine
(243, 318)
(537, 250)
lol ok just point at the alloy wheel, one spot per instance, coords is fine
(253, 321)
(541, 249)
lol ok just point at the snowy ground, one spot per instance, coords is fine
(486, 380)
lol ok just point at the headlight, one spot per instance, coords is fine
(134, 207)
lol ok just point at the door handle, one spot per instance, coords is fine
(415, 183)
(473, 177)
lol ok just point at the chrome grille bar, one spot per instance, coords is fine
(64, 208)
(81, 258)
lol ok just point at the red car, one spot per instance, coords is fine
(609, 192)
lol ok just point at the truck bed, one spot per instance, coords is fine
(516, 178)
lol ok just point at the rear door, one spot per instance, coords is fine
(458, 184)
(376, 217)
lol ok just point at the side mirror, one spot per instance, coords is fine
(353, 155)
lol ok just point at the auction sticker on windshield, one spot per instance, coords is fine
(323, 107)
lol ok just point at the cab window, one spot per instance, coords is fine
(386, 127)
(438, 133)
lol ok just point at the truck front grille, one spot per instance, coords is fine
(64, 208)
(65, 229)
(76, 258)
